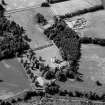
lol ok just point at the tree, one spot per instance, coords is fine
(29, 72)
(70, 74)
(2, 10)
(52, 89)
(19, 99)
(13, 101)
(13, 43)
(27, 38)
(3, 2)
(62, 77)
(41, 19)
(45, 4)
(49, 75)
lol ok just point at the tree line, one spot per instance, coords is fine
(90, 40)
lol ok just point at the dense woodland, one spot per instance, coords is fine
(90, 40)
(13, 40)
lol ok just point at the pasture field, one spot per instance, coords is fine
(92, 65)
(15, 81)
(95, 24)
(26, 19)
(73, 6)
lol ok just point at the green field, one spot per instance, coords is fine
(70, 6)
(26, 19)
(12, 73)
(95, 24)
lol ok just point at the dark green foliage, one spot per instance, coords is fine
(67, 41)
(52, 89)
(98, 83)
(62, 77)
(45, 4)
(3, 3)
(40, 19)
(2, 10)
(13, 101)
(50, 75)
(13, 39)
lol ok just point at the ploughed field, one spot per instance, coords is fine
(26, 19)
(14, 79)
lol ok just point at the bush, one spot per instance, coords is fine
(49, 75)
(98, 83)
(45, 4)
(41, 19)
(62, 77)
(52, 89)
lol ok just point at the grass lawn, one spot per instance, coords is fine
(11, 72)
(26, 19)
(92, 65)
(48, 53)
(73, 5)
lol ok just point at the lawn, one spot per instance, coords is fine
(48, 53)
(73, 6)
(26, 19)
(11, 72)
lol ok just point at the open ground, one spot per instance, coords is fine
(26, 19)
(95, 24)
(73, 6)
(14, 79)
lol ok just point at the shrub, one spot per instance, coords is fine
(98, 83)
(45, 4)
